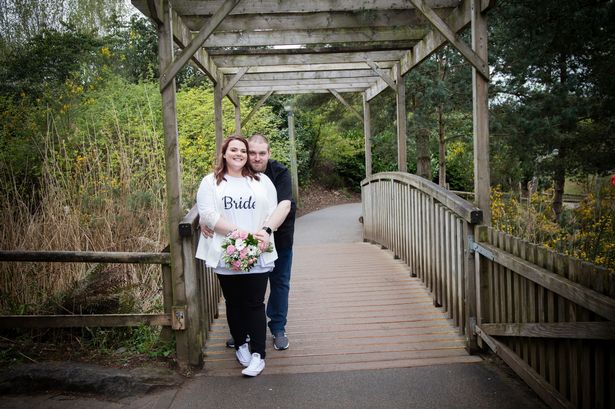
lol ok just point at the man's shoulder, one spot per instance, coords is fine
(275, 166)
(274, 169)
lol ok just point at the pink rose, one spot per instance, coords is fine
(230, 249)
(237, 265)
(243, 235)
(235, 234)
(243, 253)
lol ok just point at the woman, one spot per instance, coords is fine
(236, 198)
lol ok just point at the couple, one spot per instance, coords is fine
(249, 194)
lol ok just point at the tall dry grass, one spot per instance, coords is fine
(101, 189)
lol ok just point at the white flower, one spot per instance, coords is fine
(240, 244)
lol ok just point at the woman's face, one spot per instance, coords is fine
(236, 155)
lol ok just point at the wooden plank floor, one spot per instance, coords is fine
(352, 307)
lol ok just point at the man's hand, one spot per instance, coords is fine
(206, 231)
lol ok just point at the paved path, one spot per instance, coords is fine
(466, 385)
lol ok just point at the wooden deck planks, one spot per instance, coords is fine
(352, 307)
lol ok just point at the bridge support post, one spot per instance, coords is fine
(482, 179)
(470, 290)
(183, 282)
(402, 162)
(367, 131)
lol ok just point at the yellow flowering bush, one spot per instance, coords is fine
(586, 232)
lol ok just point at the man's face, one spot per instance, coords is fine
(259, 155)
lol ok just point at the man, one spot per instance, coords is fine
(279, 279)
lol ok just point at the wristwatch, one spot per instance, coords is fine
(267, 229)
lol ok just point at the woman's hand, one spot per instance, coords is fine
(263, 239)
(206, 231)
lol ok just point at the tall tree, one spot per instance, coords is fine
(23, 19)
(551, 58)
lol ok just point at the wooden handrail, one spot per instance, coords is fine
(85, 256)
(456, 204)
(189, 223)
(579, 294)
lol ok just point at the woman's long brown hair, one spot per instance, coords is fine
(221, 168)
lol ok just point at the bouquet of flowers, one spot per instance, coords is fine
(241, 250)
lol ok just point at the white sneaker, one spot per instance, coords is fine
(256, 365)
(243, 355)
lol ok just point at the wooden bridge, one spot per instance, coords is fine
(445, 285)
(427, 285)
(352, 306)
(431, 285)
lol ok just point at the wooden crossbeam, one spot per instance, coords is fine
(311, 58)
(85, 257)
(309, 75)
(459, 18)
(281, 87)
(543, 388)
(169, 74)
(91, 320)
(257, 107)
(306, 67)
(300, 91)
(465, 50)
(565, 330)
(346, 104)
(317, 81)
(327, 36)
(276, 6)
(231, 83)
(315, 20)
(382, 74)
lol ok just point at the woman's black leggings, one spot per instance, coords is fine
(245, 308)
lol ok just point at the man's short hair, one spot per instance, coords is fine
(258, 138)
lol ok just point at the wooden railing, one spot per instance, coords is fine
(202, 295)
(550, 317)
(430, 229)
(190, 298)
(90, 320)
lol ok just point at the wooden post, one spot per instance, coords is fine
(482, 179)
(402, 165)
(238, 119)
(470, 290)
(173, 180)
(293, 156)
(218, 117)
(367, 131)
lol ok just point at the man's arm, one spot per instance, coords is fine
(279, 215)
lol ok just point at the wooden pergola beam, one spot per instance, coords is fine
(308, 75)
(228, 86)
(182, 36)
(316, 20)
(204, 33)
(385, 77)
(291, 59)
(346, 104)
(300, 87)
(257, 107)
(301, 91)
(327, 36)
(465, 50)
(459, 18)
(306, 67)
(275, 6)
(323, 82)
